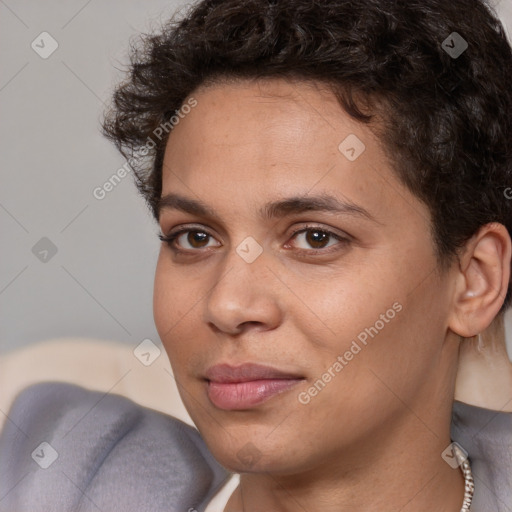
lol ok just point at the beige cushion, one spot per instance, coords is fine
(94, 364)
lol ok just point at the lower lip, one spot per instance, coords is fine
(244, 395)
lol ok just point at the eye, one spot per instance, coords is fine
(318, 238)
(195, 239)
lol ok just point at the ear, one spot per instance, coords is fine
(482, 280)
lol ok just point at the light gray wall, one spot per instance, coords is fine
(99, 282)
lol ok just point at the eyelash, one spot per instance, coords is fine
(169, 239)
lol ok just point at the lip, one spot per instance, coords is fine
(225, 373)
(247, 385)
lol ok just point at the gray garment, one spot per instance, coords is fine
(487, 437)
(114, 455)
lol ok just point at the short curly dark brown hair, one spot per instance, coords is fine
(448, 117)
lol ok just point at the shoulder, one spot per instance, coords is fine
(486, 435)
(64, 447)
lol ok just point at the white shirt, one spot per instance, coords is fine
(220, 500)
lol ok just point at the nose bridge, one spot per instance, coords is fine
(242, 293)
(246, 261)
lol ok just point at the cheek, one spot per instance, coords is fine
(162, 296)
(178, 299)
(373, 318)
(341, 305)
(171, 297)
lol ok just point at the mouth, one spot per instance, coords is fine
(246, 386)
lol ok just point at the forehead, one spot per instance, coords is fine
(276, 110)
(272, 125)
(274, 138)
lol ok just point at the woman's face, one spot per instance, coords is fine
(344, 305)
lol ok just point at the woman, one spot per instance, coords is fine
(330, 183)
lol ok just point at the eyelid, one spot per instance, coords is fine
(324, 229)
(189, 227)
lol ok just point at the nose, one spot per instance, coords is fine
(245, 296)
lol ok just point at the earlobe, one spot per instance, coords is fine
(482, 281)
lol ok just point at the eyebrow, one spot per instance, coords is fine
(271, 210)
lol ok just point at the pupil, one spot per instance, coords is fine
(196, 236)
(317, 237)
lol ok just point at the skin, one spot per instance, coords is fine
(372, 438)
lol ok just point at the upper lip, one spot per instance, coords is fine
(225, 373)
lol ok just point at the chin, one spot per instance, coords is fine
(252, 460)
(246, 450)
